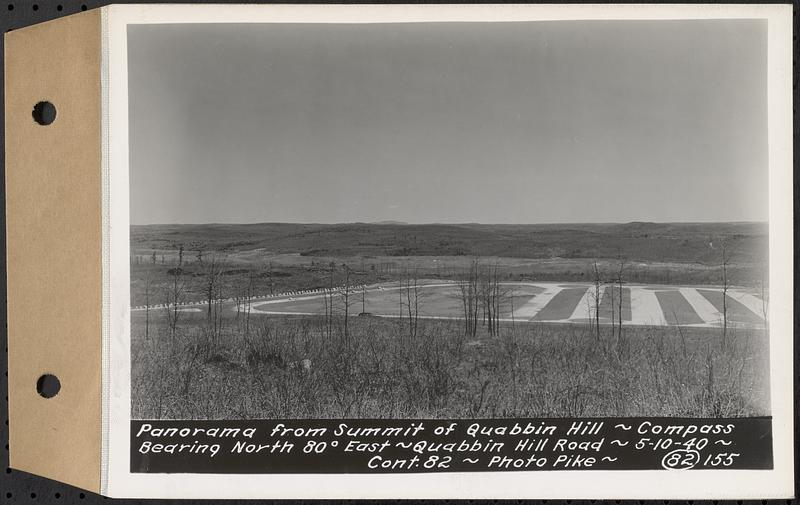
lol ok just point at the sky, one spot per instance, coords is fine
(531, 122)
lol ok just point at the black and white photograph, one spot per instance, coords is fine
(449, 220)
(402, 251)
(453, 251)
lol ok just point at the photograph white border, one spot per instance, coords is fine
(117, 481)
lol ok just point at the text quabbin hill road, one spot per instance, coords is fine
(425, 445)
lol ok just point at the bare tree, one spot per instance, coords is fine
(416, 301)
(511, 302)
(180, 255)
(364, 299)
(344, 292)
(218, 319)
(212, 275)
(174, 295)
(330, 298)
(589, 311)
(410, 286)
(238, 299)
(598, 283)
(241, 298)
(486, 288)
(619, 301)
(610, 292)
(213, 292)
(400, 307)
(470, 297)
(492, 296)
(250, 296)
(325, 300)
(148, 287)
(498, 295)
(725, 286)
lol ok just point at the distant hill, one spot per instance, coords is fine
(638, 241)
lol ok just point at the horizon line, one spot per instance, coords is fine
(390, 222)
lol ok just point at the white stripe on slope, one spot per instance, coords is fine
(705, 309)
(645, 308)
(752, 302)
(585, 307)
(537, 303)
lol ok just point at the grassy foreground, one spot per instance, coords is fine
(295, 367)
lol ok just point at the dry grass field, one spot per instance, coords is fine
(291, 367)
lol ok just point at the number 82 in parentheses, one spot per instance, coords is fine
(680, 459)
(685, 459)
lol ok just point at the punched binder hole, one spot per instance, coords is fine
(48, 385)
(44, 113)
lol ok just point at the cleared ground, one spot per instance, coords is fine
(540, 302)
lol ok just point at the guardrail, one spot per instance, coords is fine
(284, 294)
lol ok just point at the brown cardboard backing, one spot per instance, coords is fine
(53, 219)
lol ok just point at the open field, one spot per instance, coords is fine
(526, 302)
(380, 371)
